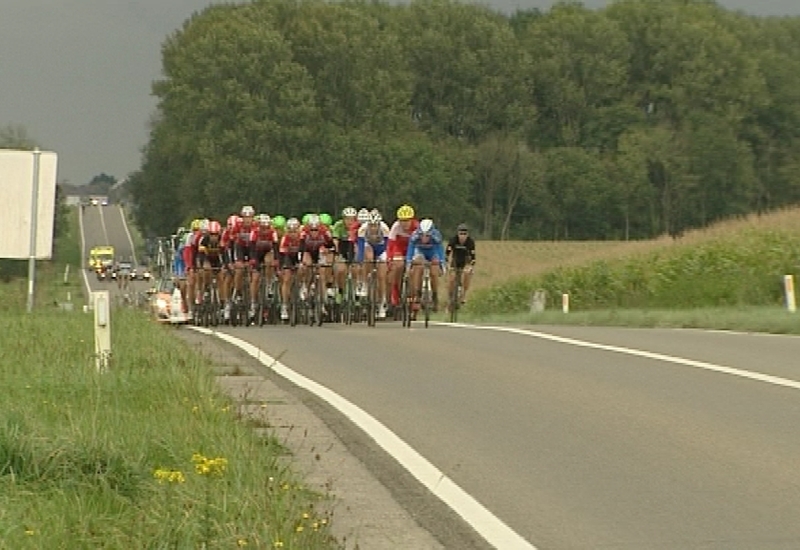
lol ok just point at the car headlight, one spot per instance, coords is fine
(161, 303)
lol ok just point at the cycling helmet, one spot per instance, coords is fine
(405, 212)
(279, 222)
(363, 215)
(304, 219)
(248, 211)
(375, 217)
(312, 222)
(233, 220)
(326, 219)
(426, 226)
(462, 228)
(181, 230)
(214, 227)
(264, 220)
(349, 212)
(196, 224)
(204, 225)
(292, 224)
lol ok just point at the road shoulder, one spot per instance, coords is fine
(366, 515)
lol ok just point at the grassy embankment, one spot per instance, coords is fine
(729, 276)
(125, 459)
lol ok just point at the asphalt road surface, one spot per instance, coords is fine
(105, 225)
(577, 447)
(572, 446)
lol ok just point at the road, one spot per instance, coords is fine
(575, 445)
(578, 447)
(105, 225)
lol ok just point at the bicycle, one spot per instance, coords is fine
(455, 295)
(405, 300)
(426, 293)
(211, 305)
(267, 299)
(315, 297)
(349, 298)
(240, 301)
(372, 293)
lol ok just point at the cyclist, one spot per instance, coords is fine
(399, 234)
(362, 217)
(210, 256)
(373, 237)
(123, 275)
(279, 225)
(225, 280)
(263, 254)
(460, 254)
(290, 254)
(189, 253)
(315, 242)
(342, 232)
(241, 251)
(425, 244)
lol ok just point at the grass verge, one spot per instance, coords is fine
(745, 319)
(126, 458)
(741, 266)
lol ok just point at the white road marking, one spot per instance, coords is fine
(83, 255)
(769, 379)
(489, 526)
(128, 233)
(103, 223)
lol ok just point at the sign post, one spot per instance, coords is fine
(34, 213)
(102, 329)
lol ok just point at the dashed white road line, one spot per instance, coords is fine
(103, 223)
(489, 526)
(82, 267)
(760, 377)
(128, 233)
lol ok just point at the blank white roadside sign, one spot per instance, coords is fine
(16, 195)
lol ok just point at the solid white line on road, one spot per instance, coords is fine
(82, 266)
(489, 526)
(769, 379)
(128, 233)
(103, 223)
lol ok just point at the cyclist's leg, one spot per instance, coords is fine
(416, 273)
(286, 283)
(436, 268)
(466, 278)
(380, 257)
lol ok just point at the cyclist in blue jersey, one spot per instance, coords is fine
(425, 245)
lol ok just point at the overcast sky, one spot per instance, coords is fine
(77, 73)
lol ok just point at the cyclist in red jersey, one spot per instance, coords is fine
(263, 253)
(290, 253)
(210, 257)
(189, 252)
(315, 242)
(241, 249)
(226, 275)
(399, 234)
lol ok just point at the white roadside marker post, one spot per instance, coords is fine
(788, 287)
(102, 329)
(565, 303)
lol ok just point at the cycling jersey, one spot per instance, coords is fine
(398, 239)
(312, 242)
(190, 248)
(462, 253)
(240, 237)
(430, 250)
(374, 235)
(263, 243)
(210, 251)
(289, 250)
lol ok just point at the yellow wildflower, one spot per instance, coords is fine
(169, 476)
(277, 544)
(305, 515)
(241, 543)
(209, 466)
(30, 532)
(299, 528)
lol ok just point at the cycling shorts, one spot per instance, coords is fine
(264, 258)
(213, 261)
(428, 254)
(314, 255)
(378, 252)
(289, 260)
(241, 253)
(347, 250)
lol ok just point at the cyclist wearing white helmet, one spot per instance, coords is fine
(373, 236)
(290, 251)
(264, 252)
(345, 233)
(316, 243)
(241, 250)
(425, 245)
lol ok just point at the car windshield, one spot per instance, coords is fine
(124, 265)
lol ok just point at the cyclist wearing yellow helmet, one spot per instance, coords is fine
(399, 234)
(189, 256)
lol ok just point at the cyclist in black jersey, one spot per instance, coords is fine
(460, 253)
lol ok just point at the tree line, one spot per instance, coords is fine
(644, 118)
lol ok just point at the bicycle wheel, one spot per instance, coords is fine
(405, 305)
(455, 303)
(347, 302)
(426, 296)
(293, 299)
(320, 295)
(372, 286)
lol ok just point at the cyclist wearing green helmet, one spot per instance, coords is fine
(279, 224)
(326, 220)
(304, 219)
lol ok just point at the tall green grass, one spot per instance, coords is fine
(742, 268)
(80, 450)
